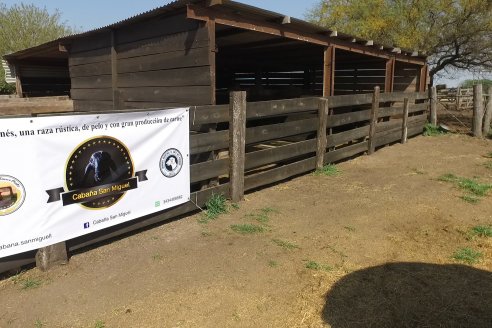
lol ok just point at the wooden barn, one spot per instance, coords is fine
(193, 52)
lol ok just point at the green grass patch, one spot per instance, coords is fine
(262, 215)
(272, 264)
(327, 170)
(26, 283)
(470, 199)
(472, 186)
(482, 231)
(431, 130)
(313, 265)
(247, 228)
(467, 255)
(349, 228)
(215, 206)
(38, 324)
(488, 165)
(488, 155)
(284, 244)
(99, 324)
(157, 257)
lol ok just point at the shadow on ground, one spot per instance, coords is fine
(411, 295)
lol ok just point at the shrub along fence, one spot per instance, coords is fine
(245, 146)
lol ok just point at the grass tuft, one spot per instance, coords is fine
(272, 264)
(157, 257)
(284, 244)
(313, 265)
(467, 255)
(488, 165)
(38, 324)
(99, 324)
(473, 186)
(482, 231)
(215, 206)
(431, 130)
(247, 228)
(470, 199)
(488, 155)
(26, 283)
(327, 170)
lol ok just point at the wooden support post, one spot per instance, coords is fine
(52, 255)
(404, 127)
(487, 118)
(18, 82)
(114, 73)
(329, 71)
(389, 75)
(237, 144)
(212, 59)
(374, 121)
(433, 105)
(321, 140)
(477, 110)
(424, 71)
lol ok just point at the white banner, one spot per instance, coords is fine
(65, 176)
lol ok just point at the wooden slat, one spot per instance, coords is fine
(279, 174)
(208, 114)
(105, 94)
(209, 169)
(399, 96)
(176, 59)
(91, 82)
(349, 100)
(94, 69)
(346, 136)
(189, 76)
(281, 107)
(92, 42)
(273, 155)
(204, 142)
(92, 106)
(89, 57)
(396, 134)
(275, 131)
(184, 94)
(347, 118)
(345, 152)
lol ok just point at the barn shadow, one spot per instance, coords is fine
(411, 295)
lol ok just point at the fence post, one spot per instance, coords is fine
(487, 118)
(477, 110)
(237, 144)
(433, 106)
(321, 140)
(404, 127)
(374, 121)
(52, 255)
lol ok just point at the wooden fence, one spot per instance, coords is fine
(245, 146)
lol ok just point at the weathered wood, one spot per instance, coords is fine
(92, 42)
(275, 131)
(212, 60)
(281, 107)
(424, 71)
(373, 121)
(114, 72)
(18, 82)
(208, 114)
(349, 100)
(321, 135)
(105, 94)
(274, 155)
(477, 110)
(329, 71)
(205, 142)
(188, 76)
(50, 256)
(346, 136)
(182, 94)
(92, 106)
(404, 127)
(92, 69)
(433, 105)
(345, 152)
(279, 174)
(91, 82)
(390, 75)
(237, 144)
(487, 118)
(399, 96)
(348, 118)
(395, 136)
(209, 169)
(89, 57)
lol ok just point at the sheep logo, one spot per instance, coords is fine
(171, 163)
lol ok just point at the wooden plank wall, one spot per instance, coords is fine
(44, 80)
(359, 77)
(159, 63)
(407, 77)
(281, 142)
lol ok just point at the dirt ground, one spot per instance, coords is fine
(370, 247)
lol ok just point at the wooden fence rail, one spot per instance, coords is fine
(261, 143)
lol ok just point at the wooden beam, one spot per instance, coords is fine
(18, 82)
(390, 75)
(321, 139)
(212, 59)
(404, 124)
(232, 19)
(114, 72)
(237, 142)
(373, 121)
(424, 71)
(329, 71)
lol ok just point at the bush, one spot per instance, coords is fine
(6, 88)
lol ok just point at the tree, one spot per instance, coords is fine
(455, 34)
(24, 26)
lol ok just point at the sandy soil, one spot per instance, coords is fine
(370, 247)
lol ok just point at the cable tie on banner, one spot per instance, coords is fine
(196, 203)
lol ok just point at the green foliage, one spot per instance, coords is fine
(272, 264)
(38, 324)
(470, 199)
(472, 186)
(313, 265)
(454, 33)
(5, 88)
(247, 228)
(470, 83)
(284, 244)
(215, 206)
(467, 255)
(99, 324)
(328, 170)
(431, 130)
(482, 231)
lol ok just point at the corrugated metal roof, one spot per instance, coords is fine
(237, 6)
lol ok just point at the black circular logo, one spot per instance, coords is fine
(171, 162)
(96, 164)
